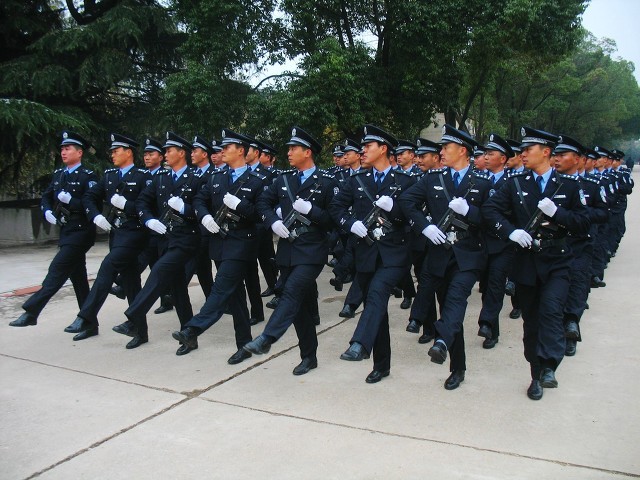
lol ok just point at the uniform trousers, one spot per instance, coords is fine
(252, 282)
(542, 313)
(455, 288)
(266, 257)
(296, 306)
(121, 260)
(228, 290)
(372, 331)
(579, 287)
(168, 270)
(69, 263)
(495, 276)
(200, 265)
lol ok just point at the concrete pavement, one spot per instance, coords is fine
(92, 409)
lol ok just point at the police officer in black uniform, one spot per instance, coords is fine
(295, 208)
(200, 263)
(453, 196)
(166, 207)
(225, 206)
(499, 251)
(423, 311)
(569, 158)
(545, 206)
(119, 189)
(368, 208)
(61, 205)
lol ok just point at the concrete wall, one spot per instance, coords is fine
(25, 226)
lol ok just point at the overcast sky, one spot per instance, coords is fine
(620, 21)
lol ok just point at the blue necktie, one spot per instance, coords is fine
(175, 177)
(456, 179)
(539, 182)
(379, 176)
(300, 174)
(493, 179)
(120, 174)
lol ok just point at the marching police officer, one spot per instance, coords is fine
(545, 207)
(452, 196)
(225, 206)
(368, 208)
(499, 251)
(295, 208)
(119, 188)
(165, 207)
(61, 205)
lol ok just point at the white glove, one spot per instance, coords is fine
(51, 218)
(64, 197)
(279, 229)
(385, 202)
(521, 237)
(460, 206)
(210, 224)
(118, 201)
(157, 226)
(434, 234)
(359, 229)
(102, 222)
(279, 213)
(177, 204)
(302, 206)
(547, 207)
(231, 201)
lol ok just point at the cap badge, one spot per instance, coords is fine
(167, 135)
(560, 139)
(365, 131)
(523, 132)
(444, 129)
(113, 137)
(293, 132)
(419, 143)
(148, 141)
(597, 149)
(491, 137)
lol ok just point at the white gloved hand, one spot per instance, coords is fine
(359, 229)
(521, 237)
(118, 201)
(102, 222)
(50, 217)
(210, 224)
(231, 201)
(279, 213)
(385, 202)
(302, 206)
(157, 226)
(279, 229)
(434, 234)
(460, 206)
(177, 204)
(547, 207)
(64, 197)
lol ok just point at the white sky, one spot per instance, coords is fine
(618, 20)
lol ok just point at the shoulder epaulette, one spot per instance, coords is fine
(163, 171)
(286, 172)
(86, 170)
(328, 175)
(436, 170)
(260, 175)
(108, 170)
(521, 173)
(58, 170)
(362, 171)
(481, 175)
(568, 177)
(402, 172)
(590, 179)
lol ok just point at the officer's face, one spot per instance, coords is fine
(406, 159)
(566, 162)
(152, 159)
(599, 163)
(252, 155)
(373, 151)
(589, 164)
(199, 157)
(494, 160)
(480, 162)
(119, 157)
(534, 157)
(71, 155)
(427, 161)
(298, 156)
(232, 152)
(351, 159)
(451, 153)
(216, 159)
(265, 159)
(173, 156)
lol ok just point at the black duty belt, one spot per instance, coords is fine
(454, 236)
(296, 232)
